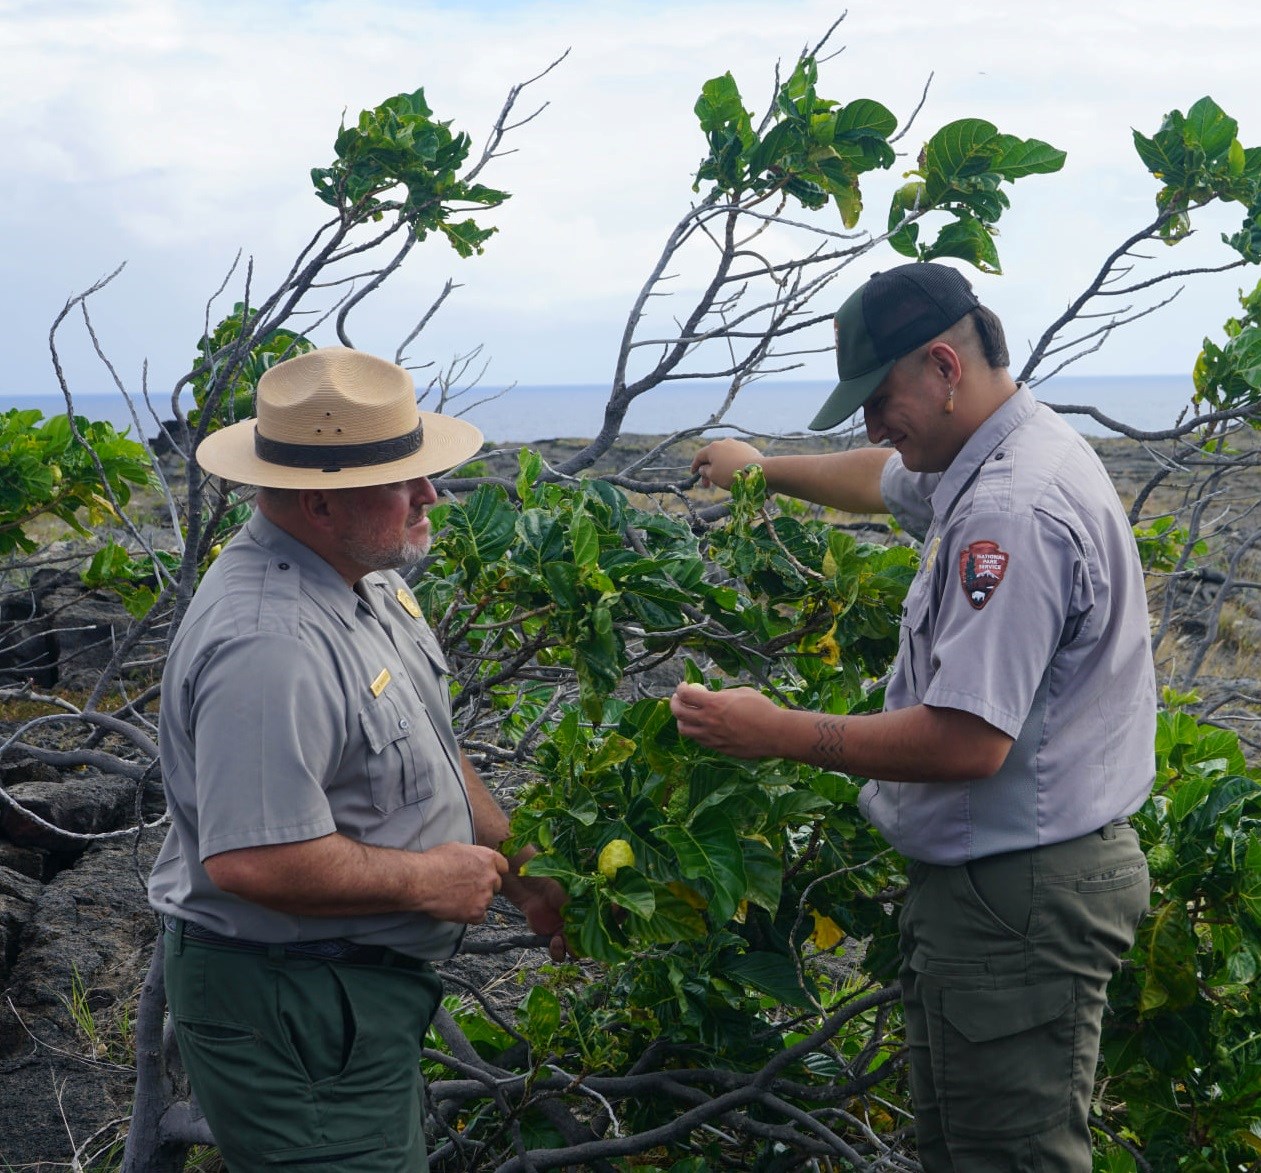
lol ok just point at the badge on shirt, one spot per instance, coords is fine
(981, 568)
(408, 600)
(930, 558)
(378, 685)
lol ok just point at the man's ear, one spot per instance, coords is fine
(314, 507)
(946, 361)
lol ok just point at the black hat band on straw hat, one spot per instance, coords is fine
(332, 457)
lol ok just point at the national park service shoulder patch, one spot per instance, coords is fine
(981, 568)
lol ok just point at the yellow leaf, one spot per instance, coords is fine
(829, 565)
(742, 911)
(103, 505)
(615, 854)
(690, 896)
(827, 933)
(827, 649)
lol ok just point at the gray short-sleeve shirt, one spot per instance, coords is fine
(1028, 611)
(293, 708)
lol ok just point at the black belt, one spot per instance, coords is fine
(332, 949)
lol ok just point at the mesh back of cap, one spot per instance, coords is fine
(907, 306)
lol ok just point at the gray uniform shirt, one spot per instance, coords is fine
(1028, 611)
(292, 708)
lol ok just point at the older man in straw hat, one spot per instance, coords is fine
(328, 838)
(1019, 718)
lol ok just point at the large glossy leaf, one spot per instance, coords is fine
(709, 850)
(486, 519)
(720, 107)
(771, 973)
(967, 239)
(1170, 981)
(633, 893)
(957, 150)
(764, 871)
(1211, 129)
(672, 920)
(1017, 157)
(542, 539)
(586, 541)
(864, 118)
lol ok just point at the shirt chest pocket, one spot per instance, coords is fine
(403, 750)
(915, 647)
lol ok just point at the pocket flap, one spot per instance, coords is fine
(984, 1015)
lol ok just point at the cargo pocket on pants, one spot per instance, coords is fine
(1005, 1058)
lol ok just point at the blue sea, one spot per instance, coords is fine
(531, 413)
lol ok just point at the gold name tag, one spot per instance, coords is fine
(408, 600)
(378, 685)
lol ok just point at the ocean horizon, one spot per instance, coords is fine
(529, 413)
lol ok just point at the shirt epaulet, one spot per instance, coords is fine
(279, 599)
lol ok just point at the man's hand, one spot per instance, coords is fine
(739, 722)
(461, 879)
(719, 461)
(541, 898)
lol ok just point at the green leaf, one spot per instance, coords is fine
(958, 150)
(720, 106)
(1170, 980)
(540, 1009)
(1162, 156)
(1211, 129)
(672, 920)
(614, 750)
(864, 118)
(764, 872)
(586, 541)
(594, 933)
(968, 239)
(771, 973)
(849, 204)
(709, 850)
(1190, 794)
(542, 539)
(633, 892)
(486, 519)
(465, 237)
(529, 465)
(1019, 158)
(562, 583)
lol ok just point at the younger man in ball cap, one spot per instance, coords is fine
(328, 838)
(1019, 719)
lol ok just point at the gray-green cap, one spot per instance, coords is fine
(889, 316)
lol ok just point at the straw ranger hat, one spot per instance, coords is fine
(337, 419)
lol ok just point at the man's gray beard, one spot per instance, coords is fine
(375, 557)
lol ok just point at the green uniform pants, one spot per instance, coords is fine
(304, 1062)
(1005, 968)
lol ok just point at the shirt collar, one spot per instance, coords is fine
(981, 444)
(319, 579)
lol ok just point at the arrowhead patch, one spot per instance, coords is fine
(981, 568)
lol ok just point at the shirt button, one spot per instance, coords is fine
(403, 725)
(282, 565)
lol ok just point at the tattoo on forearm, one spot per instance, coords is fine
(830, 743)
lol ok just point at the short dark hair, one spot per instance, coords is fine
(989, 332)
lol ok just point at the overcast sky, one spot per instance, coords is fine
(171, 133)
